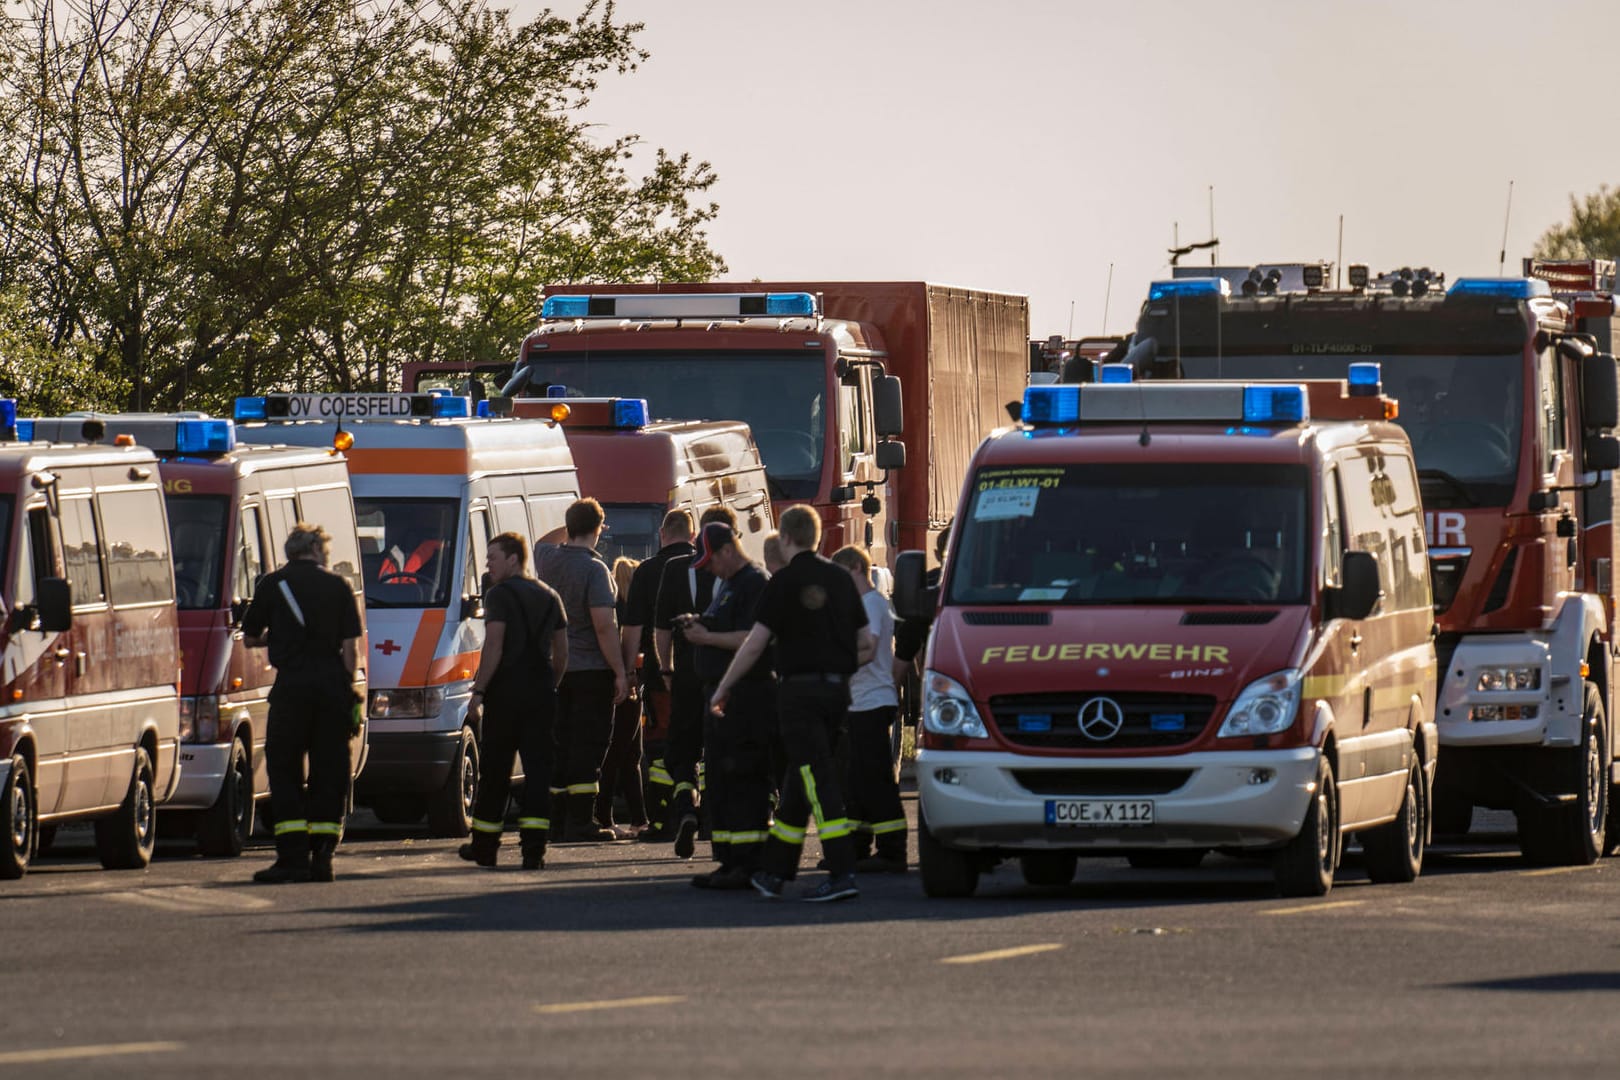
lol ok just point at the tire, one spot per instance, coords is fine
(1393, 853)
(1166, 859)
(124, 840)
(1048, 867)
(1305, 865)
(19, 821)
(449, 813)
(1574, 833)
(946, 872)
(226, 826)
(399, 809)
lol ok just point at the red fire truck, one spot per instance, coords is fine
(1507, 388)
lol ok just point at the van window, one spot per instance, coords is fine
(138, 567)
(477, 552)
(510, 516)
(407, 552)
(249, 555)
(1408, 567)
(197, 528)
(1383, 516)
(36, 558)
(631, 532)
(283, 516)
(1333, 535)
(81, 551)
(546, 513)
(332, 509)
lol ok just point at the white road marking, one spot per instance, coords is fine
(617, 1003)
(1001, 954)
(74, 1053)
(1304, 909)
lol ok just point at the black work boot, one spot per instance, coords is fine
(292, 861)
(534, 856)
(481, 849)
(582, 826)
(321, 850)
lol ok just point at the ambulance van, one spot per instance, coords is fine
(1176, 618)
(89, 702)
(431, 485)
(230, 508)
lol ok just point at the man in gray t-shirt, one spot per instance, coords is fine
(595, 681)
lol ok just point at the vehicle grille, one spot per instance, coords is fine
(1151, 721)
(1007, 618)
(1227, 618)
(1101, 781)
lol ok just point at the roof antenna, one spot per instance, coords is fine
(1338, 261)
(1108, 292)
(1501, 260)
(1071, 319)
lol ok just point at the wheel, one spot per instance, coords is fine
(19, 823)
(946, 872)
(1573, 833)
(1394, 852)
(226, 826)
(124, 840)
(1305, 865)
(1166, 858)
(450, 811)
(398, 809)
(1048, 867)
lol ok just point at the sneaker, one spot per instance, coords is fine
(534, 860)
(839, 889)
(767, 884)
(730, 879)
(472, 854)
(881, 864)
(685, 836)
(278, 874)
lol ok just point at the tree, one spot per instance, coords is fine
(1592, 232)
(203, 198)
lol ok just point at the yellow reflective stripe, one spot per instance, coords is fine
(756, 837)
(582, 789)
(297, 825)
(559, 790)
(881, 827)
(534, 823)
(326, 828)
(810, 793)
(682, 786)
(719, 836)
(660, 775)
(858, 825)
(486, 826)
(832, 830)
(787, 833)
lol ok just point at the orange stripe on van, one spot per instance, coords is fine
(415, 671)
(408, 461)
(451, 668)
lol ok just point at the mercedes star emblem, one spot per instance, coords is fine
(1101, 718)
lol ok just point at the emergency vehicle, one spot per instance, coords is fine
(431, 485)
(89, 703)
(230, 508)
(1177, 617)
(1508, 392)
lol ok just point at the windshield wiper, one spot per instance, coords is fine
(1457, 486)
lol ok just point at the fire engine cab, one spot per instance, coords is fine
(1178, 617)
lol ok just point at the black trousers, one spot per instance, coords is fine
(874, 793)
(584, 729)
(621, 768)
(683, 751)
(737, 773)
(309, 715)
(811, 713)
(518, 720)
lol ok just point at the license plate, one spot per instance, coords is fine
(1099, 811)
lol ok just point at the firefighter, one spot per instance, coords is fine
(737, 745)
(816, 617)
(514, 701)
(308, 618)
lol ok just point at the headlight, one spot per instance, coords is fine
(199, 719)
(406, 703)
(948, 709)
(1265, 707)
(1509, 678)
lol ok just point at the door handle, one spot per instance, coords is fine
(62, 655)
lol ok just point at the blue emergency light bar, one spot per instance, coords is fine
(9, 428)
(197, 436)
(446, 407)
(790, 303)
(1114, 373)
(714, 305)
(1273, 404)
(251, 408)
(565, 307)
(25, 430)
(1366, 379)
(1169, 402)
(630, 413)
(1189, 287)
(1052, 404)
(1500, 288)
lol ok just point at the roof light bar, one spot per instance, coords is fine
(1500, 288)
(251, 408)
(1052, 404)
(1274, 405)
(1366, 379)
(1114, 373)
(1188, 287)
(204, 436)
(1168, 402)
(680, 306)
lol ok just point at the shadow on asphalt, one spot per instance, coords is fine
(1573, 982)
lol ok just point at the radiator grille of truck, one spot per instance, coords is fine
(1007, 618)
(1150, 721)
(1101, 781)
(1227, 618)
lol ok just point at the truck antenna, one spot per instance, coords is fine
(1108, 293)
(1338, 260)
(1215, 250)
(1501, 259)
(1071, 319)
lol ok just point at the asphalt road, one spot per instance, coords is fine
(414, 964)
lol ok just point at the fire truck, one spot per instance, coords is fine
(1507, 390)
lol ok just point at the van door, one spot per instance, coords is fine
(88, 772)
(282, 510)
(33, 654)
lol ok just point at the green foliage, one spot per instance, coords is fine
(1592, 232)
(200, 198)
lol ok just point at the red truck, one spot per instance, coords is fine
(825, 374)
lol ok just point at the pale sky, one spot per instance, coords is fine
(1025, 145)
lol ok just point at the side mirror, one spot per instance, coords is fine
(23, 617)
(472, 607)
(55, 605)
(1600, 392)
(913, 599)
(239, 608)
(1601, 453)
(1359, 594)
(888, 417)
(891, 455)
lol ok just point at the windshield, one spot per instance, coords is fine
(1461, 413)
(1134, 534)
(778, 395)
(407, 550)
(631, 531)
(197, 533)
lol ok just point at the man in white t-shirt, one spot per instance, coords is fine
(873, 791)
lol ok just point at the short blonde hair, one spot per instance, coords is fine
(801, 527)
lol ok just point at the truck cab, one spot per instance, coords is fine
(1180, 617)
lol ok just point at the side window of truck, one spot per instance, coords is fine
(81, 552)
(1552, 404)
(852, 421)
(1333, 534)
(249, 554)
(138, 568)
(332, 509)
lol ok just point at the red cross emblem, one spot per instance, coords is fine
(388, 648)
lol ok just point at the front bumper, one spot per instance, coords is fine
(406, 762)
(202, 773)
(991, 804)
(1557, 702)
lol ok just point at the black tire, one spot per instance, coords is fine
(946, 872)
(399, 809)
(1574, 833)
(1048, 867)
(1393, 853)
(1166, 858)
(1305, 865)
(124, 839)
(19, 821)
(449, 812)
(225, 827)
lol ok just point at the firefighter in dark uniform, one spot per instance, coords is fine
(736, 746)
(514, 702)
(816, 617)
(684, 590)
(310, 621)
